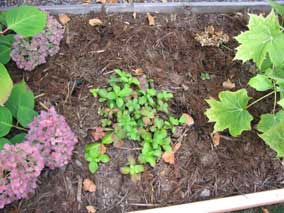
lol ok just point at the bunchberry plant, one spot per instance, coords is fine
(132, 169)
(21, 164)
(263, 43)
(33, 51)
(134, 110)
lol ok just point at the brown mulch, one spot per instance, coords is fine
(169, 54)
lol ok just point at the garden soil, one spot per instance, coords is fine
(168, 53)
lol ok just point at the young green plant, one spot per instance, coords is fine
(263, 43)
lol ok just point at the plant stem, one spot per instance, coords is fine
(275, 98)
(19, 128)
(261, 98)
(4, 31)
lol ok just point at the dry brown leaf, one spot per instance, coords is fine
(151, 19)
(228, 84)
(189, 119)
(102, 149)
(64, 19)
(89, 185)
(118, 144)
(95, 22)
(176, 147)
(91, 209)
(86, 2)
(139, 71)
(215, 138)
(134, 15)
(169, 157)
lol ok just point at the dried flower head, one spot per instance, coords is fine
(53, 137)
(20, 165)
(211, 37)
(31, 52)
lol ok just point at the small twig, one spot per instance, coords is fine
(43, 105)
(79, 189)
(40, 95)
(4, 31)
(130, 149)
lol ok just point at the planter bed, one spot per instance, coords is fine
(168, 54)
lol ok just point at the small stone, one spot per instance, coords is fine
(205, 193)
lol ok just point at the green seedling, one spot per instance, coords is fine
(139, 114)
(132, 169)
(95, 154)
(263, 43)
(205, 76)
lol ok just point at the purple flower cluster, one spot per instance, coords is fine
(20, 166)
(49, 142)
(31, 52)
(53, 137)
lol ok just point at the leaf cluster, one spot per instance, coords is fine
(134, 110)
(16, 101)
(18, 110)
(263, 43)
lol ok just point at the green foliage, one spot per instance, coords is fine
(25, 20)
(20, 106)
(264, 44)
(230, 112)
(3, 141)
(279, 8)
(6, 85)
(261, 83)
(132, 169)
(5, 121)
(274, 137)
(205, 76)
(263, 38)
(94, 154)
(136, 111)
(5, 48)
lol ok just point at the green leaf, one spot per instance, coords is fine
(119, 102)
(6, 85)
(5, 48)
(108, 138)
(25, 115)
(182, 119)
(19, 138)
(269, 120)
(279, 8)
(93, 167)
(5, 121)
(138, 169)
(104, 158)
(20, 96)
(281, 102)
(125, 170)
(260, 83)
(230, 112)
(263, 37)
(25, 20)
(274, 138)
(3, 141)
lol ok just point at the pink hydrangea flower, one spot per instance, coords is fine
(31, 52)
(20, 166)
(52, 135)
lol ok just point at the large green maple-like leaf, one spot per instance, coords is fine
(274, 138)
(230, 112)
(263, 38)
(267, 121)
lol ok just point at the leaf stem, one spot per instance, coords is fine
(19, 128)
(275, 98)
(4, 31)
(261, 98)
